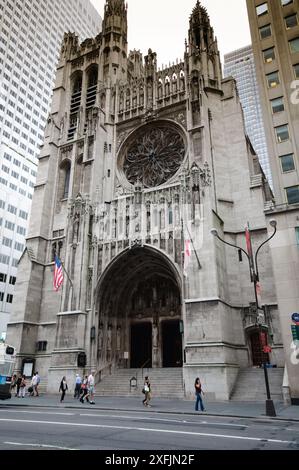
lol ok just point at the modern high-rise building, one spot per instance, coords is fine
(31, 34)
(275, 39)
(240, 65)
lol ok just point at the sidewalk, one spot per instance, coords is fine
(160, 405)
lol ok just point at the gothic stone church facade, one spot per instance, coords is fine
(138, 162)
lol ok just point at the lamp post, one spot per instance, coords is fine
(254, 276)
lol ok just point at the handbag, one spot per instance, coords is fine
(145, 388)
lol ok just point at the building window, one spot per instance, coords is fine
(9, 225)
(262, 9)
(7, 242)
(3, 277)
(1, 296)
(9, 298)
(282, 133)
(265, 31)
(296, 70)
(12, 209)
(41, 345)
(294, 45)
(273, 79)
(19, 246)
(23, 214)
(286, 2)
(287, 163)
(277, 105)
(291, 21)
(12, 280)
(269, 55)
(58, 233)
(4, 259)
(297, 235)
(66, 182)
(293, 194)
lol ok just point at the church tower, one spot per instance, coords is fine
(202, 51)
(139, 163)
(115, 44)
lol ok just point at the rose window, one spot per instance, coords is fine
(153, 155)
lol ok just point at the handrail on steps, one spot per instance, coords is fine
(143, 365)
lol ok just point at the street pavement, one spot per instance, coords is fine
(62, 427)
(161, 405)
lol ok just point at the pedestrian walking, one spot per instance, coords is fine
(198, 392)
(147, 391)
(78, 383)
(18, 383)
(37, 384)
(22, 387)
(90, 384)
(63, 388)
(84, 390)
(13, 383)
(33, 384)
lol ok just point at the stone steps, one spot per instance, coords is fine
(165, 382)
(250, 385)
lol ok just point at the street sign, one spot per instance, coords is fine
(295, 318)
(295, 332)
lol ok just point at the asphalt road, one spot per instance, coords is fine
(91, 429)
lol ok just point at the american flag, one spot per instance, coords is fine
(187, 255)
(58, 274)
(248, 241)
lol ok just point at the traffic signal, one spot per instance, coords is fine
(9, 350)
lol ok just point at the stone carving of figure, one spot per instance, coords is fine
(100, 337)
(118, 332)
(103, 101)
(109, 338)
(155, 335)
(76, 228)
(149, 95)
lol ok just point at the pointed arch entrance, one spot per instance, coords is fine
(139, 311)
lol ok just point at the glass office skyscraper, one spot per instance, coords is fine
(240, 65)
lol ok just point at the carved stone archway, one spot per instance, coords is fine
(139, 292)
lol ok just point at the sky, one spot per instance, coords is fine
(162, 25)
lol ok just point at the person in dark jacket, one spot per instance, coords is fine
(19, 381)
(198, 392)
(63, 388)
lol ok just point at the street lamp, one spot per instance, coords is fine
(254, 276)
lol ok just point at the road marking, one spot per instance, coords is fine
(130, 417)
(47, 446)
(165, 431)
(39, 412)
(141, 418)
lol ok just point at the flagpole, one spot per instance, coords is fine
(71, 287)
(70, 281)
(196, 255)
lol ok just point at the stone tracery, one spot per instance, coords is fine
(154, 157)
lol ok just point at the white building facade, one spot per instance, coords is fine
(30, 38)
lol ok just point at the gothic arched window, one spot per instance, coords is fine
(75, 103)
(167, 86)
(67, 175)
(92, 82)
